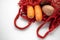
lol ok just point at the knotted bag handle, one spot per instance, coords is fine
(53, 26)
(51, 29)
(16, 18)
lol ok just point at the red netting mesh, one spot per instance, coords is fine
(54, 18)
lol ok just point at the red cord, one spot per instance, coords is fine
(29, 22)
(51, 29)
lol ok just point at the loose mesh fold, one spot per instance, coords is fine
(54, 18)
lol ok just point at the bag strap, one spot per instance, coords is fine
(52, 27)
(20, 28)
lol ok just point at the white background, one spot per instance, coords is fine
(8, 11)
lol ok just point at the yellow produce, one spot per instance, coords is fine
(38, 13)
(30, 11)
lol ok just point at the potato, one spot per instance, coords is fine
(30, 11)
(38, 13)
(48, 10)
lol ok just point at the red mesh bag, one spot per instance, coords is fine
(54, 18)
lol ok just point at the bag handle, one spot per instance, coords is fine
(20, 28)
(51, 29)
